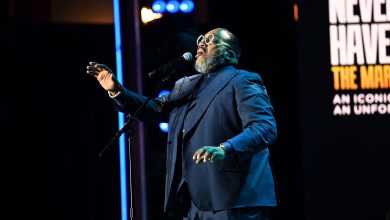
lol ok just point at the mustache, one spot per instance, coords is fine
(209, 63)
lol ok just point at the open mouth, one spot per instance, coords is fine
(199, 52)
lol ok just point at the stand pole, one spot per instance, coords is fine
(127, 127)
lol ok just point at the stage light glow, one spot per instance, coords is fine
(186, 6)
(163, 92)
(158, 6)
(164, 127)
(172, 6)
(147, 15)
(295, 12)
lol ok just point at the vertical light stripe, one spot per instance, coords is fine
(121, 117)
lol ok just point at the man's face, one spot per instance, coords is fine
(208, 57)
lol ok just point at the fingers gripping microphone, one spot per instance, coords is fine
(172, 67)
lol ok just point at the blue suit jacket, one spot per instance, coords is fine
(234, 109)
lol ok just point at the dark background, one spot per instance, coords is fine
(55, 118)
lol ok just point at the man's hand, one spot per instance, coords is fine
(105, 76)
(209, 154)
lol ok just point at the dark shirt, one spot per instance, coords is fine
(194, 97)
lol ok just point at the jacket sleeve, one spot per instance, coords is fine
(256, 113)
(155, 109)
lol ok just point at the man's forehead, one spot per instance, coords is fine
(221, 33)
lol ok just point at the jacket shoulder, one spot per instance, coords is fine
(244, 75)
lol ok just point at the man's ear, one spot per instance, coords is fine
(231, 56)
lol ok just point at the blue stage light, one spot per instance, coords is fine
(159, 6)
(164, 127)
(163, 92)
(186, 6)
(172, 6)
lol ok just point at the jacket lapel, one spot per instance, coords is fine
(184, 86)
(209, 92)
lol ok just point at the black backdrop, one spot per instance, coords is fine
(54, 122)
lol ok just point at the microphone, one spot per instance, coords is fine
(170, 68)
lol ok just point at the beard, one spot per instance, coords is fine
(209, 63)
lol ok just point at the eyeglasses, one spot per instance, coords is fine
(208, 39)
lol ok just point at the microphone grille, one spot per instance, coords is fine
(187, 56)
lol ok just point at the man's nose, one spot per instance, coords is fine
(202, 43)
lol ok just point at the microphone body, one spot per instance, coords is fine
(172, 67)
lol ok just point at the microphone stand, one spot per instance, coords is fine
(126, 126)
